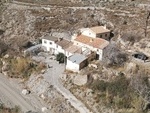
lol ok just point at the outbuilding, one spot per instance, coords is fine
(76, 62)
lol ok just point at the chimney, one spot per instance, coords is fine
(91, 40)
(104, 26)
(73, 37)
(59, 39)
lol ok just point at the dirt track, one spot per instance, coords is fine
(10, 95)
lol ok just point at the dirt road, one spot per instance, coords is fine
(52, 76)
(10, 95)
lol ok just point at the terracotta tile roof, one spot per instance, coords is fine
(64, 43)
(94, 42)
(99, 43)
(74, 49)
(99, 29)
(83, 39)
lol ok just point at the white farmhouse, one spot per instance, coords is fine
(49, 42)
(83, 47)
(96, 32)
(94, 44)
(55, 45)
(76, 62)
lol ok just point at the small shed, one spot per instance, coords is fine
(76, 62)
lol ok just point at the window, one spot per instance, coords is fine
(50, 43)
(100, 36)
(105, 35)
(45, 41)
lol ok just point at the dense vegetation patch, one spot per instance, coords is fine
(121, 93)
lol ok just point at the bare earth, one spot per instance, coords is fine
(10, 95)
(53, 77)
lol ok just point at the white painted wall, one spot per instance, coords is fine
(89, 33)
(104, 35)
(49, 45)
(68, 54)
(54, 48)
(59, 49)
(100, 53)
(84, 46)
(72, 66)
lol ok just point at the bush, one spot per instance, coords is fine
(119, 86)
(60, 57)
(131, 37)
(99, 85)
(117, 93)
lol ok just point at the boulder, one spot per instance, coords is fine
(5, 67)
(93, 65)
(43, 71)
(5, 73)
(89, 92)
(95, 76)
(6, 56)
(25, 91)
(131, 67)
(80, 80)
(43, 96)
(44, 109)
(64, 77)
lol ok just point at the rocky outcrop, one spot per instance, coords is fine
(80, 80)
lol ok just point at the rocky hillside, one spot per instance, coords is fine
(30, 20)
(22, 22)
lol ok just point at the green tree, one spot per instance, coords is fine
(60, 57)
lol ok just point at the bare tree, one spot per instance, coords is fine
(148, 16)
(113, 56)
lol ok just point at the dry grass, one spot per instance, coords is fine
(23, 67)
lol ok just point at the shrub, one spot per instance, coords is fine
(119, 86)
(60, 57)
(117, 93)
(131, 37)
(99, 85)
